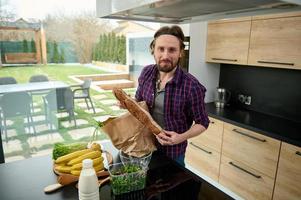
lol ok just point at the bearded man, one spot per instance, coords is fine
(175, 98)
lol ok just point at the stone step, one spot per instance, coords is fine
(110, 84)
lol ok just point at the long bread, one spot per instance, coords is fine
(137, 111)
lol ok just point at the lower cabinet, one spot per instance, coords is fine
(245, 181)
(203, 151)
(250, 164)
(288, 178)
(203, 159)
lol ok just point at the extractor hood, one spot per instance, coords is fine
(185, 11)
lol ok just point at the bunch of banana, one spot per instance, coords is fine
(72, 162)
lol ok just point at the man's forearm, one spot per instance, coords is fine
(195, 130)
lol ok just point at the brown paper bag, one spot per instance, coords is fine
(129, 135)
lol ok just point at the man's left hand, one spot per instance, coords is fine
(169, 138)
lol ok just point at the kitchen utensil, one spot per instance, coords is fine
(222, 97)
(53, 187)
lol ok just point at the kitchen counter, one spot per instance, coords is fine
(275, 127)
(26, 179)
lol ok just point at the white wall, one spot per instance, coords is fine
(206, 73)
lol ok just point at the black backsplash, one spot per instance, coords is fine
(274, 91)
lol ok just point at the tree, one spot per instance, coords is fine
(32, 46)
(25, 46)
(62, 56)
(56, 55)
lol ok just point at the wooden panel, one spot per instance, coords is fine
(258, 151)
(242, 182)
(204, 159)
(228, 42)
(276, 43)
(212, 137)
(288, 179)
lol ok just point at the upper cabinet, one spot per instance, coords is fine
(276, 41)
(228, 41)
(267, 40)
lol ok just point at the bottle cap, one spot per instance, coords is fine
(87, 163)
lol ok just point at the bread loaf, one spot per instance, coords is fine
(137, 111)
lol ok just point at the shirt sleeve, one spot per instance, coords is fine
(199, 113)
(138, 95)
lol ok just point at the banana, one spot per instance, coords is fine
(70, 156)
(96, 161)
(97, 168)
(63, 169)
(91, 155)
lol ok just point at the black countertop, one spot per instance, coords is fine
(27, 178)
(275, 127)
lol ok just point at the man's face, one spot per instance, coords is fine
(167, 52)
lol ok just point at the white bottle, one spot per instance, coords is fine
(88, 182)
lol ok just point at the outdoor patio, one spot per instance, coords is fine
(22, 145)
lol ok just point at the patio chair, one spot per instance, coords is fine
(83, 92)
(38, 78)
(58, 101)
(11, 107)
(7, 80)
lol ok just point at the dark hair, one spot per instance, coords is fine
(166, 30)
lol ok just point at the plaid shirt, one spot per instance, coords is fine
(183, 104)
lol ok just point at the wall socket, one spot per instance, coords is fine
(245, 99)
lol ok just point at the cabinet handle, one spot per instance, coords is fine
(200, 148)
(250, 136)
(244, 170)
(225, 59)
(298, 153)
(211, 122)
(277, 63)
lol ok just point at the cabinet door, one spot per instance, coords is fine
(255, 150)
(245, 181)
(288, 179)
(228, 41)
(275, 42)
(212, 137)
(204, 159)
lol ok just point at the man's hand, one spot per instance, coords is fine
(170, 138)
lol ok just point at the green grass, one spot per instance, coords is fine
(54, 72)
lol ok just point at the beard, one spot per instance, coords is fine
(166, 65)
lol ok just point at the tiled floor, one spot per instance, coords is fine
(20, 145)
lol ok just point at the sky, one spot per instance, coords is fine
(39, 9)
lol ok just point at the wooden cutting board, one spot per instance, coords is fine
(66, 179)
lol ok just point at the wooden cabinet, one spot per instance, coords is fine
(244, 180)
(255, 150)
(288, 179)
(203, 151)
(228, 41)
(249, 162)
(275, 41)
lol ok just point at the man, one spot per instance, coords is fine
(175, 98)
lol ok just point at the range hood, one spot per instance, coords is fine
(186, 11)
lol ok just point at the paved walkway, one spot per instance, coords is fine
(21, 146)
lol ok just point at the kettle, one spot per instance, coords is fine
(222, 97)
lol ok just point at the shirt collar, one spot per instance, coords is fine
(176, 79)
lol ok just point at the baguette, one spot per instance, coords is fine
(137, 111)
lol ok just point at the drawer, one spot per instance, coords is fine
(212, 137)
(255, 150)
(203, 159)
(245, 181)
(288, 179)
